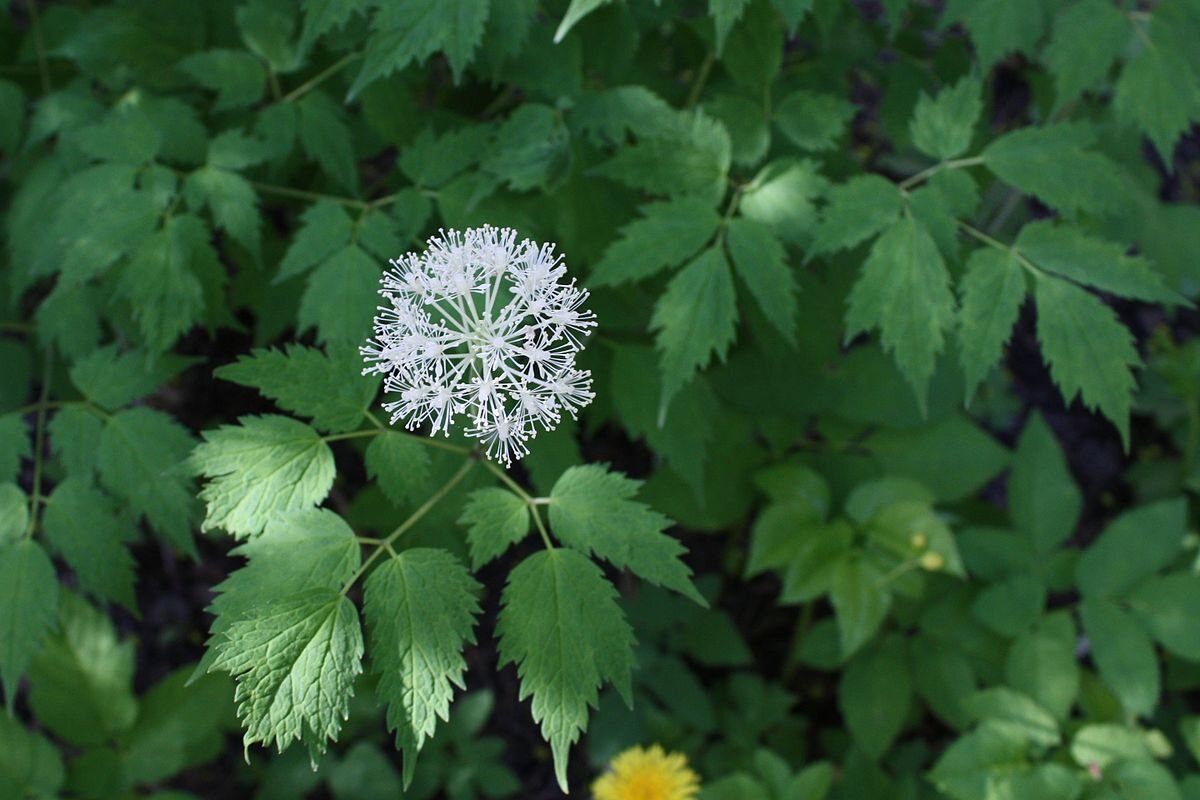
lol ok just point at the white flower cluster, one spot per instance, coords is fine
(480, 325)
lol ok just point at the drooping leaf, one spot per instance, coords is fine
(420, 607)
(258, 468)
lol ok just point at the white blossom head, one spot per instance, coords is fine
(485, 328)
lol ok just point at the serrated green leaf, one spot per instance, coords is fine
(1069, 252)
(326, 139)
(860, 601)
(111, 379)
(81, 681)
(694, 319)
(1001, 27)
(1159, 94)
(430, 161)
(1014, 713)
(303, 380)
(261, 467)
(75, 439)
(1043, 499)
(413, 31)
(1050, 162)
(81, 525)
(267, 28)
(125, 134)
(782, 195)
(14, 514)
(1123, 654)
(30, 766)
(295, 660)
(141, 457)
(855, 211)
(28, 608)
(234, 150)
(874, 694)
(943, 126)
(14, 446)
(725, 14)
(1090, 353)
(1086, 39)
(159, 284)
(531, 149)
(420, 608)
(322, 16)
(495, 519)
(904, 290)
(668, 234)
(685, 153)
(760, 260)
(325, 229)
(993, 289)
(232, 201)
(813, 120)
(574, 13)
(401, 466)
(238, 78)
(562, 627)
(970, 766)
(68, 319)
(593, 511)
(1131, 548)
(341, 297)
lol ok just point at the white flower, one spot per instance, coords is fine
(480, 326)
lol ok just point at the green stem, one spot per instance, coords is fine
(318, 79)
(517, 489)
(926, 174)
(337, 437)
(975, 233)
(701, 79)
(413, 519)
(39, 44)
(39, 445)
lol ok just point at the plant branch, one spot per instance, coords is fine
(926, 174)
(39, 444)
(318, 79)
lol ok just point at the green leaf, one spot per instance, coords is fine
(81, 681)
(760, 260)
(992, 289)
(860, 600)
(400, 464)
(232, 201)
(14, 514)
(412, 31)
(1043, 499)
(691, 153)
(303, 380)
(668, 234)
(1001, 27)
(326, 139)
(237, 76)
(943, 126)
(813, 120)
(1123, 653)
(341, 297)
(495, 519)
(124, 134)
(1012, 606)
(531, 150)
(725, 13)
(1105, 743)
(574, 13)
(874, 694)
(30, 766)
(944, 679)
(28, 608)
(1016, 714)
(81, 525)
(1139, 779)
(1070, 253)
(295, 660)
(1050, 162)
(258, 468)
(1159, 91)
(856, 210)
(1042, 664)
(14, 446)
(323, 16)
(141, 460)
(112, 379)
(75, 439)
(562, 627)
(781, 196)
(1168, 607)
(432, 161)
(325, 229)
(178, 726)
(1131, 548)
(420, 608)
(968, 768)
(1089, 351)
(298, 550)
(159, 284)
(1086, 39)
(267, 28)
(593, 511)
(694, 319)
(904, 290)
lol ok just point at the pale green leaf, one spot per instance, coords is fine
(943, 126)
(562, 627)
(1102, 744)
(904, 290)
(295, 660)
(303, 380)
(760, 260)
(668, 234)
(1043, 665)
(420, 608)
(14, 514)
(781, 196)
(1090, 353)
(495, 519)
(970, 766)
(992, 290)
(1014, 713)
(28, 608)
(593, 511)
(258, 468)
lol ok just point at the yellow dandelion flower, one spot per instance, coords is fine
(647, 774)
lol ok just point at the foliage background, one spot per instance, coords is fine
(895, 323)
